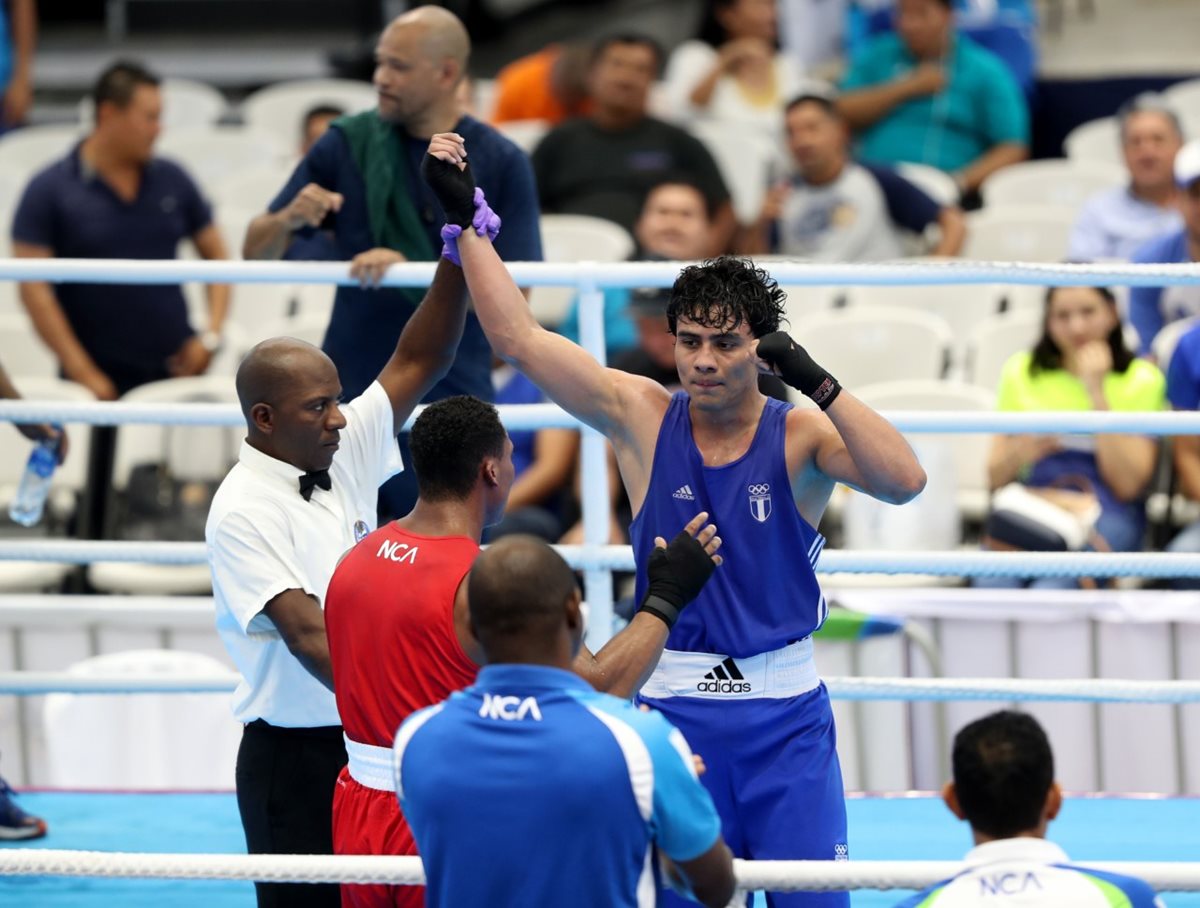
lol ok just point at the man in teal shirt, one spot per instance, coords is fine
(929, 95)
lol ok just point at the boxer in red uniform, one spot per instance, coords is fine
(397, 620)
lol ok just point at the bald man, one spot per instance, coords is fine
(302, 493)
(360, 183)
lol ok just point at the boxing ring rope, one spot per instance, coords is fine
(773, 876)
(598, 560)
(590, 279)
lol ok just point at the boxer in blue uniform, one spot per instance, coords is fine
(737, 675)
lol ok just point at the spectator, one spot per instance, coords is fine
(540, 502)
(316, 121)
(544, 784)
(361, 182)
(733, 72)
(1152, 307)
(1114, 223)
(929, 95)
(1004, 787)
(1183, 391)
(1081, 363)
(110, 197)
(836, 210)
(18, 38)
(549, 85)
(603, 164)
(675, 224)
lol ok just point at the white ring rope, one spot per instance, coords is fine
(772, 876)
(1081, 690)
(620, 558)
(540, 416)
(594, 275)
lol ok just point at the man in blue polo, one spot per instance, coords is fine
(361, 181)
(529, 788)
(112, 198)
(1004, 787)
(930, 95)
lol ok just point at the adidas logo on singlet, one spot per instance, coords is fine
(725, 678)
(684, 493)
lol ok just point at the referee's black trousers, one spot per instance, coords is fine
(285, 780)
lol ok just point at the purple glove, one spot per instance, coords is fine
(485, 221)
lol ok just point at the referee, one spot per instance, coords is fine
(302, 493)
(530, 788)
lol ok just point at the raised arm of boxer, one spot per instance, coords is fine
(626, 408)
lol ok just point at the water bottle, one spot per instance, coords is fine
(30, 501)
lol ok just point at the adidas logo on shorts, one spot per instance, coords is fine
(684, 493)
(725, 678)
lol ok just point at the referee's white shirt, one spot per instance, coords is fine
(264, 538)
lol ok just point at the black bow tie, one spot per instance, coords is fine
(309, 481)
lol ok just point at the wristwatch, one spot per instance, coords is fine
(209, 340)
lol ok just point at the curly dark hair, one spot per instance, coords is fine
(1003, 770)
(724, 292)
(449, 441)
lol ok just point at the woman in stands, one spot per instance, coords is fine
(733, 72)
(1081, 362)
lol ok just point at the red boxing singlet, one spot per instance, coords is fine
(389, 617)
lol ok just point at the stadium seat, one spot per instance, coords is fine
(212, 156)
(525, 134)
(1164, 343)
(746, 161)
(142, 741)
(278, 110)
(250, 189)
(996, 339)
(23, 152)
(22, 351)
(1184, 99)
(937, 184)
(1061, 181)
(1098, 141)
(575, 238)
(863, 345)
(187, 104)
(1019, 233)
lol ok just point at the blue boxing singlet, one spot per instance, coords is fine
(765, 595)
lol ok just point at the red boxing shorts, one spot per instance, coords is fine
(369, 821)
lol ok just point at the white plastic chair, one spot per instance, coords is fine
(962, 307)
(745, 160)
(863, 345)
(1164, 343)
(187, 104)
(65, 489)
(23, 152)
(191, 453)
(279, 109)
(1096, 140)
(310, 328)
(937, 184)
(142, 741)
(1056, 182)
(525, 134)
(22, 351)
(251, 189)
(575, 238)
(1184, 99)
(996, 339)
(1019, 233)
(969, 451)
(213, 155)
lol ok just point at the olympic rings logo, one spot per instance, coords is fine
(762, 488)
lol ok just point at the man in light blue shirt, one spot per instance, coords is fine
(1004, 787)
(929, 95)
(529, 788)
(1114, 223)
(1150, 308)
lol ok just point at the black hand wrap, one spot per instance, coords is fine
(676, 575)
(798, 369)
(454, 189)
